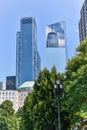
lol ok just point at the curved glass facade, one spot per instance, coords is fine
(55, 52)
(52, 40)
(57, 31)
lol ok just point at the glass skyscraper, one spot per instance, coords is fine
(26, 51)
(55, 52)
(38, 63)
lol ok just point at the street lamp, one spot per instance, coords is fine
(58, 89)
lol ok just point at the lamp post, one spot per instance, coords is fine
(58, 89)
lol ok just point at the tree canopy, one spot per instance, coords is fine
(6, 108)
(40, 111)
(76, 85)
(40, 107)
(8, 120)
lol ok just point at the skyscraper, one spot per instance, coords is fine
(83, 22)
(38, 63)
(55, 52)
(26, 51)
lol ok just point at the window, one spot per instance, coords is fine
(9, 93)
(24, 94)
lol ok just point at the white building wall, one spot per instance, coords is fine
(10, 95)
(22, 96)
(17, 98)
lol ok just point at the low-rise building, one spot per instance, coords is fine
(24, 89)
(22, 96)
(17, 97)
(11, 95)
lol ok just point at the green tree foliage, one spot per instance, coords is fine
(40, 107)
(40, 111)
(6, 108)
(9, 123)
(8, 120)
(76, 85)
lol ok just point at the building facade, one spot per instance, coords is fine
(24, 90)
(17, 97)
(11, 83)
(38, 63)
(83, 22)
(2, 86)
(26, 51)
(11, 95)
(55, 52)
(22, 95)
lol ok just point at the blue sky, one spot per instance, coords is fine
(45, 12)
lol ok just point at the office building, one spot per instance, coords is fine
(17, 97)
(55, 52)
(83, 22)
(11, 95)
(38, 63)
(26, 52)
(24, 90)
(22, 96)
(2, 85)
(10, 82)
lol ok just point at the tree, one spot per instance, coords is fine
(76, 85)
(9, 123)
(40, 111)
(8, 120)
(6, 108)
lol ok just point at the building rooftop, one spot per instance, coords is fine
(27, 86)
